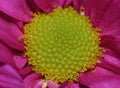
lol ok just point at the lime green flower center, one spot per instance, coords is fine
(61, 44)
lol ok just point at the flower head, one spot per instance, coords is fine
(51, 43)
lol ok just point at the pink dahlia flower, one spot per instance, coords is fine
(21, 66)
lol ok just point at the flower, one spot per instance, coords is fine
(15, 69)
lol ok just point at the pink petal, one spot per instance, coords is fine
(20, 61)
(16, 8)
(9, 78)
(10, 34)
(96, 9)
(30, 80)
(45, 5)
(101, 78)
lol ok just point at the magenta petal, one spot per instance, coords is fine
(20, 61)
(110, 23)
(113, 60)
(10, 34)
(96, 9)
(101, 78)
(21, 25)
(5, 55)
(9, 78)
(26, 70)
(32, 5)
(109, 66)
(45, 5)
(52, 85)
(76, 4)
(111, 45)
(67, 2)
(9, 71)
(58, 3)
(72, 85)
(16, 8)
(30, 80)
(38, 84)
